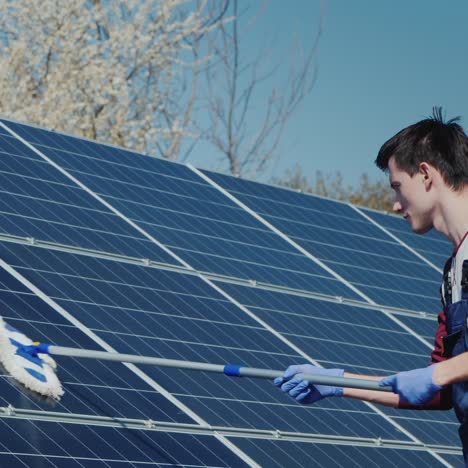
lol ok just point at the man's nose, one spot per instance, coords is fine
(397, 207)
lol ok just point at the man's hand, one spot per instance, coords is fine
(415, 386)
(303, 391)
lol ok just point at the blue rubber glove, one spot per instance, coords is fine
(414, 386)
(303, 391)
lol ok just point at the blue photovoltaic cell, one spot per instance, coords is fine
(195, 220)
(45, 140)
(4, 131)
(292, 454)
(430, 427)
(354, 248)
(432, 245)
(38, 201)
(363, 341)
(425, 327)
(121, 303)
(50, 444)
(92, 386)
(453, 460)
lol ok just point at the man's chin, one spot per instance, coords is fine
(421, 229)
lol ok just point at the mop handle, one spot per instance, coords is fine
(229, 369)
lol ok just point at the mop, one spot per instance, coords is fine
(31, 365)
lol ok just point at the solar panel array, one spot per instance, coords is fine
(102, 248)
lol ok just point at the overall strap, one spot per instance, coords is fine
(464, 281)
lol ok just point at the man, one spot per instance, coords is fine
(427, 165)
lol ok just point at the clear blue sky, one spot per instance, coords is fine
(382, 66)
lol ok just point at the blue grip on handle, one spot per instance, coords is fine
(42, 348)
(232, 370)
(34, 349)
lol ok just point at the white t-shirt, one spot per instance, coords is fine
(455, 273)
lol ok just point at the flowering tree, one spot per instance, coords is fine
(129, 73)
(119, 71)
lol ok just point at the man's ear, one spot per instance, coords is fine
(427, 172)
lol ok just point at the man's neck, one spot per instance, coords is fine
(451, 217)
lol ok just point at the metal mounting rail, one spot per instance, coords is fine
(195, 429)
(212, 276)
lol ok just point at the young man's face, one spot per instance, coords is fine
(412, 199)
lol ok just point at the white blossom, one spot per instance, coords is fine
(118, 70)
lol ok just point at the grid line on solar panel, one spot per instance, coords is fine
(282, 234)
(56, 307)
(44, 204)
(326, 241)
(148, 380)
(432, 431)
(394, 275)
(192, 383)
(329, 269)
(269, 256)
(248, 193)
(151, 188)
(289, 453)
(343, 219)
(336, 252)
(115, 307)
(12, 146)
(275, 274)
(432, 245)
(177, 428)
(194, 429)
(316, 320)
(225, 279)
(349, 330)
(209, 196)
(160, 183)
(374, 295)
(115, 444)
(452, 460)
(79, 145)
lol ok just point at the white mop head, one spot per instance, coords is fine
(37, 373)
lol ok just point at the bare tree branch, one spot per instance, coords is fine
(248, 145)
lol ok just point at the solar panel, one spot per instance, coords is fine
(49, 444)
(283, 453)
(124, 289)
(193, 219)
(149, 257)
(384, 271)
(432, 246)
(39, 202)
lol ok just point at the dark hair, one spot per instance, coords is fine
(444, 145)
